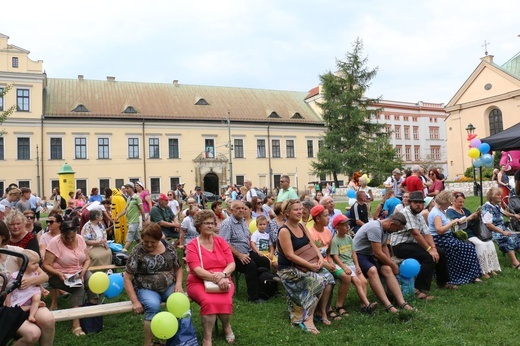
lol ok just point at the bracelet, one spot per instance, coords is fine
(428, 249)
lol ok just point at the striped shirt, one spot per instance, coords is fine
(412, 222)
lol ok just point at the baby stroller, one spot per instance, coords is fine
(6, 316)
(513, 206)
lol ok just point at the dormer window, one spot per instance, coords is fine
(130, 110)
(80, 108)
(202, 102)
(297, 116)
(274, 115)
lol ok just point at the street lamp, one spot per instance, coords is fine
(477, 188)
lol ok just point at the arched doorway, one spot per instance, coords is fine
(211, 183)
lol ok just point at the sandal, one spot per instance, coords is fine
(451, 287)
(324, 320)
(78, 331)
(342, 311)
(389, 308)
(230, 338)
(332, 315)
(517, 267)
(422, 295)
(310, 330)
(369, 309)
(405, 305)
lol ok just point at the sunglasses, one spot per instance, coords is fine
(170, 194)
(50, 222)
(459, 194)
(29, 217)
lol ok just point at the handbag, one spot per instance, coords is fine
(482, 232)
(209, 286)
(309, 254)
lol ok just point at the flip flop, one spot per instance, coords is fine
(78, 331)
(324, 320)
(422, 295)
(310, 330)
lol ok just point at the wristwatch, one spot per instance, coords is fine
(225, 274)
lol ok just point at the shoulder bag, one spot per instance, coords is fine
(482, 232)
(306, 252)
(209, 286)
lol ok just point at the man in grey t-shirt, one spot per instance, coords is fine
(370, 244)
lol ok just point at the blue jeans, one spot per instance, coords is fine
(151, 301)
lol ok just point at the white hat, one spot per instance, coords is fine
(2, 208)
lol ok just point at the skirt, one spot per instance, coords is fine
(303, 292)
(463, 264)
(487, 255)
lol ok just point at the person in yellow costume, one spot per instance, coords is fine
(121, 224)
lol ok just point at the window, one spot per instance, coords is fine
(56, 149)
(80, 148)
(407, 132)
(387, 117)
(80, 109)
(435, 152)
(417, 153)
(2, 157)
(173, 149)
(2, 186)
(310, 148)
(495, 121)
(24, 149)
(24, 183)
(398, 151)
(238, 147)
(1, 99)
(201, 102)
(14, 62)
(153, 148)
(397, 131)
(82, 184)
(405, 118)
(130, 110)
(320, 144)
(414, 119)
(119, 183)
(155, 185)
(239, 180)
(416, 132)
(275, 150)
(434, 132)
(103, 185)
(276, 179)
(407, 153)
(22, 100)
(209, 148)
(388, 130)
(133, 148)
(55, 183)
(173, 183)
(260, 148)
(289, 146)
(103, 148)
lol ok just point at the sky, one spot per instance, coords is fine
(423, 50)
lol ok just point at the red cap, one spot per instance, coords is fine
(163, 197)
(317, 210)
(339, 219)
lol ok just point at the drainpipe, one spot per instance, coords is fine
(43, 168)
(269, 157)
(144, 156)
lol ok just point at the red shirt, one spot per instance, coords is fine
(414, 183)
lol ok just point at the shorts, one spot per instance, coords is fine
(337, 273)
(266, 253)
(133, 232)
(366, 262)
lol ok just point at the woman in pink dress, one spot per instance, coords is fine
(217, 265)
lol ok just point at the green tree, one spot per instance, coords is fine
(354, 140)
(5, 114)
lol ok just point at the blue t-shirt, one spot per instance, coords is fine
(390, 205)
(436, 212)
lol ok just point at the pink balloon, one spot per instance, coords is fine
(475, 143)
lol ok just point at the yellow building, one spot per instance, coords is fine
(489, 100)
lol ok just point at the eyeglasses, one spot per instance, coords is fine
(170, 194)
(431, 173)
(209, 223)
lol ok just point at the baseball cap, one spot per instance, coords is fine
(317, 210)
(130, 184)
(340, 218)
(163, 197)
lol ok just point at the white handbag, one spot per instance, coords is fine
(209, 286)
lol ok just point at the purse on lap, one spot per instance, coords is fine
(209, 286)
(309, 254)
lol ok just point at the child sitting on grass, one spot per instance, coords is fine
(342, 252)
(29, 299)
(260, 241)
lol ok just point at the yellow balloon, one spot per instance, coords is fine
(164, 325)
(98, 282)
(474, 153)
(178, 304)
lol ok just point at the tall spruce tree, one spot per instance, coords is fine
(354, 140)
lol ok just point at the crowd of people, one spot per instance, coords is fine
(303, 243)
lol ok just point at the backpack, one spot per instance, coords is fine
(268, 287)
(351, 220)
(63, 203)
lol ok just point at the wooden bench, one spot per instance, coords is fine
(92, 311)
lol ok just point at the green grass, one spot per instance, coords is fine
(475, 314)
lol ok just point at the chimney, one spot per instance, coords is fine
(80, 77)
(176, 82)
(111, 79)
(488, 58)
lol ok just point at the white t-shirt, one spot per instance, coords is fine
(261, 240)
(174, 206)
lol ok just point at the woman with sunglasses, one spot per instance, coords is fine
(54, 221)
(486, 252)
(435, 185)
(30, 225)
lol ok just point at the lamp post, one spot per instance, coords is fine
(477, 188)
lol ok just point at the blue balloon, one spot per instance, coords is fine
(351, 193)
(484, 148)
(115, 287)
(409, 268)
(488, 165)
(478, 162)
(383, 191)
(487, 159)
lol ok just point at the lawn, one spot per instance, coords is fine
(475, 314)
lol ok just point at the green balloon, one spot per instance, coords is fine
(178, 304)
(164, 325)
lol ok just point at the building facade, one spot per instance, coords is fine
(489, 100)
